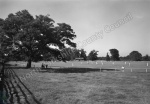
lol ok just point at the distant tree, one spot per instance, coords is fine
(93, 55)
(125, 58)
(83, 54)
(135, 56)
(77, 53)
(146, 58)
(101, 58)
(114, 54)
(107, 57)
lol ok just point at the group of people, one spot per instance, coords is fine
(44, 66)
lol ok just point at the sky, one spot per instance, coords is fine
(87, 17)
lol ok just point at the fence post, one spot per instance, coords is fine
(131, 69)
(146, 70)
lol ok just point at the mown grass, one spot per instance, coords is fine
(107, 87)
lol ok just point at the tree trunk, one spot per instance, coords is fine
(2, 70)
(29, 63)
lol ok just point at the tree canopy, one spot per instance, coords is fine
(33, 37)
(5, 46)
(114, 54)
(135, 56)
(93, 55)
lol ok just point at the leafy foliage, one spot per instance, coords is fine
(114, 54)
(32, 37)
(135, 56)
(146, 58)
(67, 54)
(5, 46)
(107, 57)
(83, 54)
(93, 55)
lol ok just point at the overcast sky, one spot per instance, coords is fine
(87, 17)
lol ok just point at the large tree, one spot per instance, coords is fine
(135, 56)
(34, 36)
(114, 54)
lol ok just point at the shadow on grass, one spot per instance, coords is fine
(73, 70)
(58, 69)
(18, 67)
(25, 87)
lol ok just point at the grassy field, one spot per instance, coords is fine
(91, 64)
(90, 87)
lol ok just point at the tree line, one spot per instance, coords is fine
(133, 56)
(114, 55)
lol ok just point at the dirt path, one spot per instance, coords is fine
(16, 92)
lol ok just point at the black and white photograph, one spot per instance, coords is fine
(74, 51)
